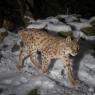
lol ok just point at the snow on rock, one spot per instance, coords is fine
(41, 23)
(68, 18)
(38, 25)
(52, 20)
(80, 25)
(16, 83)
(89, 37)
(91, 19)
(61, 16)
(3, 29)
(47, 84)
(83, 20)
(23, 80)
(7, 81)
(78, 34)
(58, 27)
(30, 20)
(48, 20)
(71, 19)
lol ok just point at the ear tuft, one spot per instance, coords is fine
(68, 39)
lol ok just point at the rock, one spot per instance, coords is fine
(3, 34)
(93, 23)
(65, 34)
(38, 25)
(58, 27)
(1, 90)
(89, 31)
(34, 92)
(80, 25)
(0, 56)
(8, 24)
(28, 20)
(5, 46)
(15, 48)
(69, 18)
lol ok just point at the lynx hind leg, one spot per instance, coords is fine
(22, 57)
(69, 72)
(33, 58)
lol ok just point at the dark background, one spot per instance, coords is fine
(14, 10)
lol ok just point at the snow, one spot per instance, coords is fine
(3, 29)
(58, 27)
(52, 20)
(68, 18)
(91, 19)
(83, 20)
(78, 34)
(80, 25)
(87, 65)
(48, 20)
(31, 20)
(21, 82)
(38, 25)
(7, 81)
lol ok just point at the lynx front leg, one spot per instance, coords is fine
(69, 71)
(22, 57)
(44, 64)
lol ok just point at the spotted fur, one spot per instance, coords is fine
(51, 47)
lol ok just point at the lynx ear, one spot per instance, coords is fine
(76, 39)
(68, 39)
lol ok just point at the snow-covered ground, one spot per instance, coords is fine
(14, 82)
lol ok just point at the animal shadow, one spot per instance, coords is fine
(86, 46)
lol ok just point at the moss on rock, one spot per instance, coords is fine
(8, 24)
(93, 23)
(65, 34)
(89, 31)
(33, 92)
(2, 36)
(26, 21)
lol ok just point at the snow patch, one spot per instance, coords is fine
(23, 80)
(38, 25)
(91, 19)
(58, 27)
(68, 18)
(3, 30)
(7, 81)
(80, 25)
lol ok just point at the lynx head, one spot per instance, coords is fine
(72, 46)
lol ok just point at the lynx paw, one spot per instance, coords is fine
(19, 67)
(75, 82)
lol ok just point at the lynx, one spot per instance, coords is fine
(51, 47)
